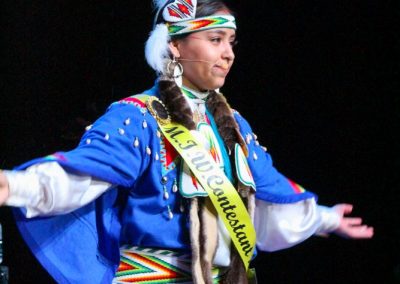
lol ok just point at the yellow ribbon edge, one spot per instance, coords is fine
(222, 193)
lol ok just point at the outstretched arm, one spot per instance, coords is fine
(280, 226)
(4, 190)
(48, 189)
(351, 227)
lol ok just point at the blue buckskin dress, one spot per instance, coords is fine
(125, 148)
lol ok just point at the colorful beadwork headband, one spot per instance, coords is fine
(200, 24)
(180, 18)
(178, 10)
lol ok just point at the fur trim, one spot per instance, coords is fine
(156, 49)
(251, 204)
(176, 103)
(197, 274)
(208, 237)
(228, 128)
(159, 3)
(226, 123)
(236, 272)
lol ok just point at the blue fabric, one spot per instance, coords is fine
(225, 157)
(83, 246)
(67, 245)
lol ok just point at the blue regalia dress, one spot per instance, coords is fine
(125, 148)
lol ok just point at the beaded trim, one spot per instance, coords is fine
(199, 24)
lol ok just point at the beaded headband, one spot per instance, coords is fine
(180, 18)
(199, 24)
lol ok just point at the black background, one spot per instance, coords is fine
(318, 82)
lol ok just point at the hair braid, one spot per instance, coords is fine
(176, 104)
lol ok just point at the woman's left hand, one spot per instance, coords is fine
(351, 227)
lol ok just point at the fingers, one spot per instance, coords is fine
(353, 228)
(347, 208)
(344, 208)
(352, 221)
(361, 232)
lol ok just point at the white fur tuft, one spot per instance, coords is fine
(159, 3)
(156, 49)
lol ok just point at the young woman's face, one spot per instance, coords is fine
(206, 58)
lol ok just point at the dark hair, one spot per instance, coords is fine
(210, 7)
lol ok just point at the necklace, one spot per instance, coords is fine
(196, 102)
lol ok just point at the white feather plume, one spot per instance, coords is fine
(158, 3)
(156, 49)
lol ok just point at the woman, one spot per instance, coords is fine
(130, 190)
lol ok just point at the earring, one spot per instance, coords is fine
(175, 70)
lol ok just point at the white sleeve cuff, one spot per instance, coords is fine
(281, 226)
(47, 189)
(24, 188)
(330, 220)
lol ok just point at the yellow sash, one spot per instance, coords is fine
(222, 193)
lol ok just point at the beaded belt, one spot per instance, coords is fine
(156, 266)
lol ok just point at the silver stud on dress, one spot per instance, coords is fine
(136, 142)
(248, 138)
(166, 195)
(255, 157)
(170, 214)
(175, 186)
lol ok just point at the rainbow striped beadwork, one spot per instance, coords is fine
(199, 24)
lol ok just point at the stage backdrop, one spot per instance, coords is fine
(316, 80)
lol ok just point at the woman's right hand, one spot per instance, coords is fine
(351, 227)
(4, 190)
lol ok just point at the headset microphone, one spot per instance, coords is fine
(222, 64)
